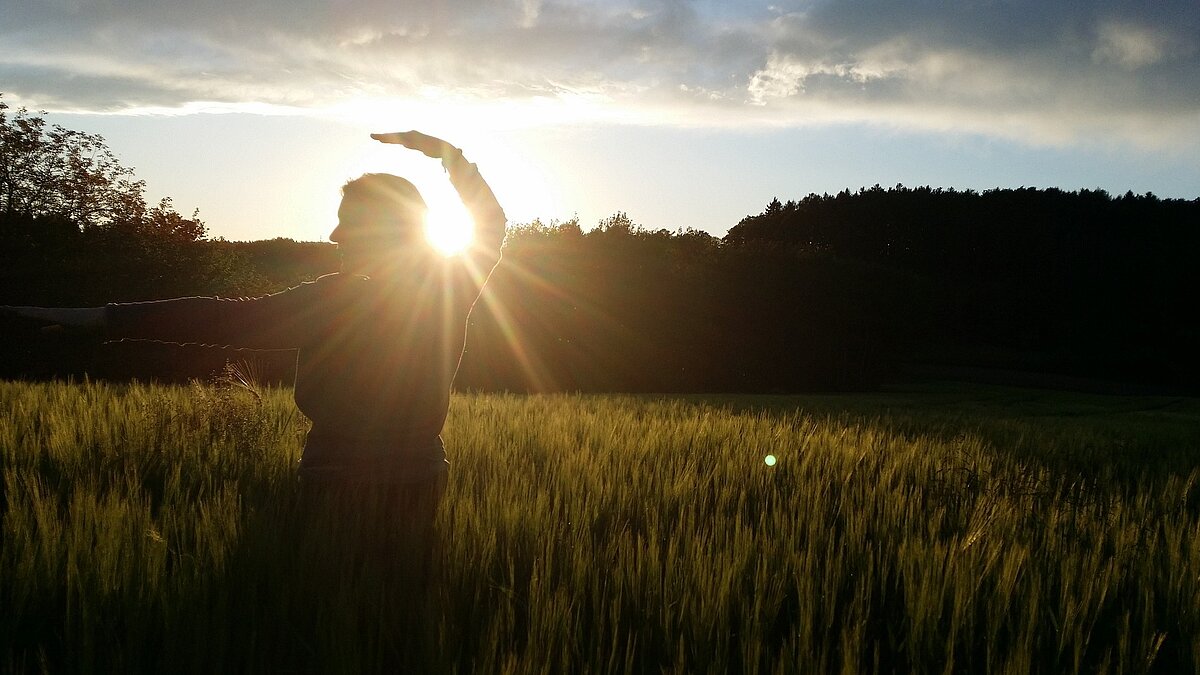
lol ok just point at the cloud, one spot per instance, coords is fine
(1131, 46)
(1045, 72)
(1038, 73)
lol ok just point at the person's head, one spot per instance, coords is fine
(380, 215)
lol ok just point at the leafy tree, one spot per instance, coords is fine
(48, 170)
(75, 226)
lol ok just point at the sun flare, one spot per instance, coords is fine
(448, 232)
(520, 179)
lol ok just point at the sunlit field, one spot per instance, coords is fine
(940, 530)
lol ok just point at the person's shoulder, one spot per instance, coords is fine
(341, 286)
(339, 280)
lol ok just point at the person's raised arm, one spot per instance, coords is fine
(475, 193)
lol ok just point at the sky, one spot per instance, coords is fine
(680, 114)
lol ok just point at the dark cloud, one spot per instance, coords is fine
(1031, 69)
(1041, 70)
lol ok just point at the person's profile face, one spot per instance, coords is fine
(366, 235)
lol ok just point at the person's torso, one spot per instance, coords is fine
(381, 358)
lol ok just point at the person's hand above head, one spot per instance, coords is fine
(430, 146)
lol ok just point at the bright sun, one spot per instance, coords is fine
(449, 230)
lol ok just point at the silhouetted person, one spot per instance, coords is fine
(378, 345)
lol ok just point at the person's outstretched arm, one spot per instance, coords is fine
(268, 322)
(78, 318)
(475, 193)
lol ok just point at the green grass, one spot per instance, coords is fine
(944, 529)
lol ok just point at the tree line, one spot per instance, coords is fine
(826, 292)
(1080, 281)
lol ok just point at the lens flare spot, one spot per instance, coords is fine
(769, 460)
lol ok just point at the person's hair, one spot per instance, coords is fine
(394, 205)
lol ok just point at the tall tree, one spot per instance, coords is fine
(48, 170)
(75, 226)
